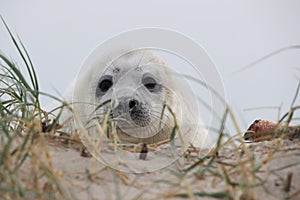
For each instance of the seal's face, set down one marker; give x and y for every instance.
(135, 85)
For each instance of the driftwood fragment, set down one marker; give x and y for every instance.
(261, 130)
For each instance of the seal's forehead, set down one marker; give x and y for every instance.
(133, 61)
(130, 68)
(121, 69)
(137, 60)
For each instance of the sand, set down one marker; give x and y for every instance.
(263, 170)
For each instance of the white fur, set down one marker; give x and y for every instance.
(82, 96)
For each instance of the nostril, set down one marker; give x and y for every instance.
(132, 103)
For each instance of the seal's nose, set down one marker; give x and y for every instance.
(123, 98)
(132, 103)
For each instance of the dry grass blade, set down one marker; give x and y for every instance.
(276, 52)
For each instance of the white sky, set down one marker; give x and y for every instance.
(60, 34)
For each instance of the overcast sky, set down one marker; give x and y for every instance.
(60, 34)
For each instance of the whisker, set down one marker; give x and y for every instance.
(139, 63)
(166, 117)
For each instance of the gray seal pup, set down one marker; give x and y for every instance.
(144, 98)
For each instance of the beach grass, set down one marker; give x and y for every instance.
(234, 169)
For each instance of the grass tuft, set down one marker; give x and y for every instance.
(234, 169)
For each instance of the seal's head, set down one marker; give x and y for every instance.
(145, 99)
(136, 83)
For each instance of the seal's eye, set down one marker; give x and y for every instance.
(150, 83)
(105, 83)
